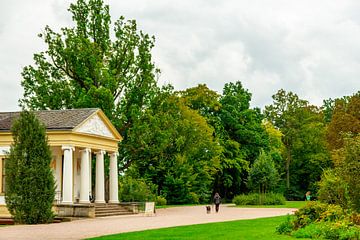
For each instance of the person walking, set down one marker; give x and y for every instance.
(217, 201)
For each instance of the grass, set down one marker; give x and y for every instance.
(288, 204)
(257, 229)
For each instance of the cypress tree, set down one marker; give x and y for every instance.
(30, 185)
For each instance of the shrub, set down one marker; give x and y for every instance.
(259, 199)
(135, 190)
(160, 201)
(329, 230)
(30, 185)
(309, 214)
(320, 220)
(285, 227)
(333, 189)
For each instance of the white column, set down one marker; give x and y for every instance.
(58, 157)
(84, 181)
(90, 173)
(113, 184)
(67, 190)
(100, 178)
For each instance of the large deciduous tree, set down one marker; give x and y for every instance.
(173, 147)
(303, 128)
(89, 65)
(345, 120)
(30, 187)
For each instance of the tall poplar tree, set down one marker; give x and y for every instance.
(30, 187)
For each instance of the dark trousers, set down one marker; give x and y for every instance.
(217, 207)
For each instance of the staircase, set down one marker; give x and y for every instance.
(104, 210)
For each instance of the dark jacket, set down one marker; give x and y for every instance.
(217, 199)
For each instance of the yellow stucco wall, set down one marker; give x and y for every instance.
(4, 211)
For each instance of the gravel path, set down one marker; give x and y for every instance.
(177, 216)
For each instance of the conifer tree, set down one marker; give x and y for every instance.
(30, 186)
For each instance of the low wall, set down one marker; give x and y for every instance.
(4, 211)
(75, 210)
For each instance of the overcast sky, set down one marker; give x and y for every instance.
(309, 47)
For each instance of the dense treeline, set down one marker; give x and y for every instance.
(185, 145)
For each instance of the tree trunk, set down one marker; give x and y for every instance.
(288, 160)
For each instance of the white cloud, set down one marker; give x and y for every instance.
(309, 47)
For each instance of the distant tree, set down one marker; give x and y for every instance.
(304, 137)
(276, 146)
(280, 113)
(242, 136)
(345, 120)
(263, 176)
(30, 187)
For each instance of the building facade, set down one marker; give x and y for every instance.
(75, 136)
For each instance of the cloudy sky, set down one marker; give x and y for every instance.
(309, 47)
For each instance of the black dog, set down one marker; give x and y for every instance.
(208, 209)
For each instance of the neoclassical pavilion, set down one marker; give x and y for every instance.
(75, 136)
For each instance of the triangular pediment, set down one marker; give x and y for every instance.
(95, 125)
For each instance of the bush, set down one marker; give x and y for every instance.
(259, 199)
(320, 220)
(160, 201)
(329, 230)
(30, 185)
(135, 190)
(333, 189)
(285, 227)
(309, 214)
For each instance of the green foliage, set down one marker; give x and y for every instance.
(329, 230)
(285, 227)
(349, 170)
(88, 65)
(173, 147)
(304, 138)
(30, 187)
(241, 136)
(263, 175)
(160, 201)
(319, 220)
(134, 190)
(333, 189)
(259, 199)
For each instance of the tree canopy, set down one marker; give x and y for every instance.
(89, 65)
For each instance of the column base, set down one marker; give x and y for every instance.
(114, 201)
(67, 202)
(100, 201)
(84, 201)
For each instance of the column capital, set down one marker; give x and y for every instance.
(114, 154)
(67, 147)
(87, 150)
(100, 152)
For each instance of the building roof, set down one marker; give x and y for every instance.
(52, 119)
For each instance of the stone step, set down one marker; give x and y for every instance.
(111, 210)
(103, 210)
(112, 214)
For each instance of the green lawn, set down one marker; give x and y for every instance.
(288, 204)
(258, 229)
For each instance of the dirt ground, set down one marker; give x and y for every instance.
(168, 217)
